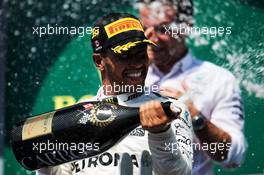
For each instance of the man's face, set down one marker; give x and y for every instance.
(154, 18)
(129, 68)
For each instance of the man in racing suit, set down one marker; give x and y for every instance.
(160, 146)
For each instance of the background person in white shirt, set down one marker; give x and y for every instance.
(211, 93)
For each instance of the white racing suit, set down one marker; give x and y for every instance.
(141, 152)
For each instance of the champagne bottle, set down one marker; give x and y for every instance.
(72, 133)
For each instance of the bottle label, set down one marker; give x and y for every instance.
(100, 115)
(37, 126)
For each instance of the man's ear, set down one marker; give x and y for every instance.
(98, 61)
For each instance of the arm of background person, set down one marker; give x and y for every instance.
(226, 124)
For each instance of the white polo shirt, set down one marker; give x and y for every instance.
(216, 94)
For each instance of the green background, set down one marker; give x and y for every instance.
(39, 69)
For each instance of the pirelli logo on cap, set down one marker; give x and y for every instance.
(122, 25)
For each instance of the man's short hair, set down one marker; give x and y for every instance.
(184, 8)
